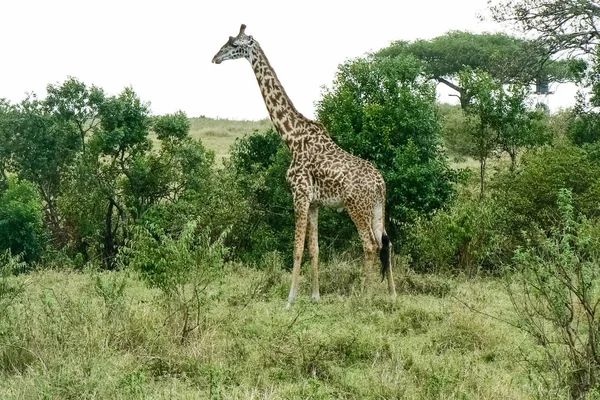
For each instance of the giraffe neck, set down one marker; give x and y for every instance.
(284, 115)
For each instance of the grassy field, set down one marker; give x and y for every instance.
(219, 134)
(104, 335)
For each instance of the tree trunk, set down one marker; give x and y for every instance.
(513, 160)
(108, 251)
(482, 162)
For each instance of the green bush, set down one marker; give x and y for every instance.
(466, 238)
(181, 267)
(530, 196)
(10, 289)
(555, 289)
(584, 128)
(21, 220)
(381, 110)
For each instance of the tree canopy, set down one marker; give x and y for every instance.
(381, 109)
(506, 58)
(558, 24)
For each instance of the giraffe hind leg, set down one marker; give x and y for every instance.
(313, 248)
(363, 222)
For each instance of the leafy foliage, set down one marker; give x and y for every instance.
(468, 238)
(181, 267)
(506, 58)
(379, 109)
(559, 295)
(570, 24)
(21, 220)
(530, 197)
(498, 119)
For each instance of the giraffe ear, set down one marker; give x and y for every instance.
(242, 29)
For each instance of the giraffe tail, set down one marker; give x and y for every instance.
(385, 255)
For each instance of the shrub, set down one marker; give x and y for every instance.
(21, 220)
(530, 196)
(181, 267)
(9, 288)
(556, 293)
(465, 238)
(584, 128)
(381, 110)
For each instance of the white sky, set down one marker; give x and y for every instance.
(163, 49)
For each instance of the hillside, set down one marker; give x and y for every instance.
(219, 134)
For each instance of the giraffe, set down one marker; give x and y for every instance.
(321, 174)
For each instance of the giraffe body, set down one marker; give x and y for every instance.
(321, 173)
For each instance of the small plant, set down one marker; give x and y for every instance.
(465, 238)
(112, 290)
(556, 293)
(10, 289)
(182, 268)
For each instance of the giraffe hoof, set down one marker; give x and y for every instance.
(316, 297)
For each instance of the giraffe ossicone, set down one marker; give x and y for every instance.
(321, 173)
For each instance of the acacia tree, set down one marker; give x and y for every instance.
(506, 58)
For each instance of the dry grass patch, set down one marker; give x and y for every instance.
(219, 134)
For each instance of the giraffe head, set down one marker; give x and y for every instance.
(241, 46)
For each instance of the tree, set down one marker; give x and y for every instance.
(484, 112)
(43, 138)
(569, 26)
(557, 24)
(498, 119)
(42, 152)
(506, 58)
(6, 110)
(380, 109)
(75, 107)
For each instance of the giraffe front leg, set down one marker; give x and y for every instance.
(313, 248)
(301, 213)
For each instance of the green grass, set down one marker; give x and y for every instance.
(219, 134)
(104, 335)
